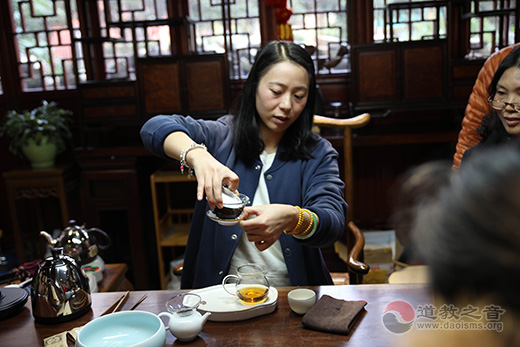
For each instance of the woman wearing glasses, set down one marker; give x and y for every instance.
(502, 124)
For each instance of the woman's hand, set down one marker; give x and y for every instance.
(269, 223)
(211, 176)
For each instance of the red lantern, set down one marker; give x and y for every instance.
(283, 14)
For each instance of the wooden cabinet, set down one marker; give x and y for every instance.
(115, 202)
(35, 196)
(173, 198)
(196, 85)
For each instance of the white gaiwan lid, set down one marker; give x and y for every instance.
(229, 198)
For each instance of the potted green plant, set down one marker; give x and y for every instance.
(38, 135)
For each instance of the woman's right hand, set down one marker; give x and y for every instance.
(210, 173)
(211, 176)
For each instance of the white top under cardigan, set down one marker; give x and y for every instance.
(246, 251)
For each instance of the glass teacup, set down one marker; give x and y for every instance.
(251, 285)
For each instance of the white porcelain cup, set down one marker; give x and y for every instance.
(301, 300)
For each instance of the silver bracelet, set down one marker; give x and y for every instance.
(183, 157)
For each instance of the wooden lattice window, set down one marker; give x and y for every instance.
(409, 20)
(323, 25)
(228, 26)
(234, 27)
(44, 43)
(63, 42)
(493, 25)
(130, 29)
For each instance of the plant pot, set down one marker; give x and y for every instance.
(42, 155)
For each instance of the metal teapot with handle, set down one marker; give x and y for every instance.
(79, 242)
(60, 289)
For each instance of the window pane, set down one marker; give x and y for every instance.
(492, 26)
(409, 20)
(492, 23)
(44, 44)
(134, 26)
(228, 26)
(234, 27)
(322, 24)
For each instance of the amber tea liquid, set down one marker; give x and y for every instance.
(251, 295)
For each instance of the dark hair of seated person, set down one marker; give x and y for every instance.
(410, 190)
(466, 227)
(469, 235)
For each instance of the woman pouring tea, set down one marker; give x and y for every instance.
(266, 151)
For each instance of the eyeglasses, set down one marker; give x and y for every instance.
(501, 105)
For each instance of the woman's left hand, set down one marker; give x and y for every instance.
(264, 224)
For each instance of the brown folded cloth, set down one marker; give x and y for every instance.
(333, 315)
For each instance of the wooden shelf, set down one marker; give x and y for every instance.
(162, 176)
(177, 235)
(172, 224)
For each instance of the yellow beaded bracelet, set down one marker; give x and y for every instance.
(309, 227)
(301, 217)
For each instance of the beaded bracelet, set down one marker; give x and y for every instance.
(312, 231)
(301, 217)
(183, 157)
(309, 227)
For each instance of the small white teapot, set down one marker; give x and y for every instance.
(185, 322)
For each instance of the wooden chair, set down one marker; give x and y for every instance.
(346, 125)
(354, 239)
(478, 105)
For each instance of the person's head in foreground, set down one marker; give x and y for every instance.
(469, 235)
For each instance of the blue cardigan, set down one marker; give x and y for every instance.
(313, 184)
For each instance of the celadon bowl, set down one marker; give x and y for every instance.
(126, 328)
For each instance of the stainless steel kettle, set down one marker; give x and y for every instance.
(60, 289)
(79, 242)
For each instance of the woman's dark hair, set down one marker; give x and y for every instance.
(511, 60)
(411, 189)
(470, 234)
(490, 122)
(298, 142)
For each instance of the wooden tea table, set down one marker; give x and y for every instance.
(280, 328)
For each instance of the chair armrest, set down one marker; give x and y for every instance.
(356, 252)
(177, 270)
(354, 122)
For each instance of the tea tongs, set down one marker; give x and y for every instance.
(115, 306)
